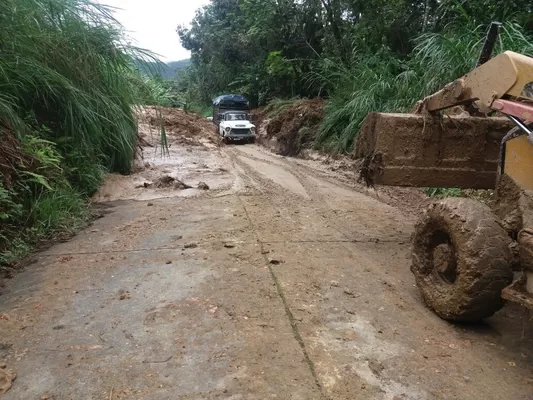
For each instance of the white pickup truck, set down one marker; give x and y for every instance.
(236, 126)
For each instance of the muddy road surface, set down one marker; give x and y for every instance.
(227, 272)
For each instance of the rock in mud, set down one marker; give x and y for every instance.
(376, 367)
(180, 185)
(168, 181)
(203, 186)
(7, 377)
(165, 181)
(124, 295)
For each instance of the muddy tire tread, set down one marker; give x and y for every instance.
(483, 259)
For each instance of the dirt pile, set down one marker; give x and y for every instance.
(181, 128)
(167, 181)
(189, 166)
(294, 128)
(175, 120)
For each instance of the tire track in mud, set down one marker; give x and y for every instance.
(392, 196)
(320, 207)
(291, 163)
(268, 187)
(317, 199)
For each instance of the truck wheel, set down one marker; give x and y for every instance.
(461, 259)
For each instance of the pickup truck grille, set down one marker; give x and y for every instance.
(240, 131)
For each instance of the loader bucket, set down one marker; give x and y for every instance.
(430, 151)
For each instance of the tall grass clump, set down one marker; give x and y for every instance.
(277, 106)
(66, 113)
(64, 65)
(383, 83)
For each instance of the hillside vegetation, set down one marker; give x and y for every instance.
(361, 55)
(66, 117)
(164, 71)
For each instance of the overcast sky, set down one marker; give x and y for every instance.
(152, 23)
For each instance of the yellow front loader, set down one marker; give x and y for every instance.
(466, 257)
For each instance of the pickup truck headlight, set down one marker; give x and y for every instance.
(228, 129)
(252, 129)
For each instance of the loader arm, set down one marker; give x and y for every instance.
(504, 79)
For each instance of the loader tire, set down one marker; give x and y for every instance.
(461, 259)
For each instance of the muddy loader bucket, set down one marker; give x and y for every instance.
(426, 151)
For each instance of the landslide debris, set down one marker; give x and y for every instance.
(293, 128)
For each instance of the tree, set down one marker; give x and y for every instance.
(271, 48)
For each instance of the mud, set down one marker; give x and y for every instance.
(193, 157)
(424, 151)
(514, 207)
(7, 377)
(287, 279)
(507, 207)
(294, 128)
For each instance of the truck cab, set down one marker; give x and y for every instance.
(231, 115)
(236, 126)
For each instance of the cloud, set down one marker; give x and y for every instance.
(152, 23)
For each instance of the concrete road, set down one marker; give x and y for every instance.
(282, 281)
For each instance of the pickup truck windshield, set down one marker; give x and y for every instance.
(236, 117)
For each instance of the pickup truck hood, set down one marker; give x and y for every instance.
(238, 124)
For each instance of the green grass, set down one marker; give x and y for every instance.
(205, 110)
(66, 68)
(277, 106)
(443, 192)
(61, 210)
(68, 91)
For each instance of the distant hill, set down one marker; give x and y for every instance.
(177, 65)
(166, 71)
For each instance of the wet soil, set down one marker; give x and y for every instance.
(293, 129)
(285, 279)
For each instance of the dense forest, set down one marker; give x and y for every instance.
(361, 55)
